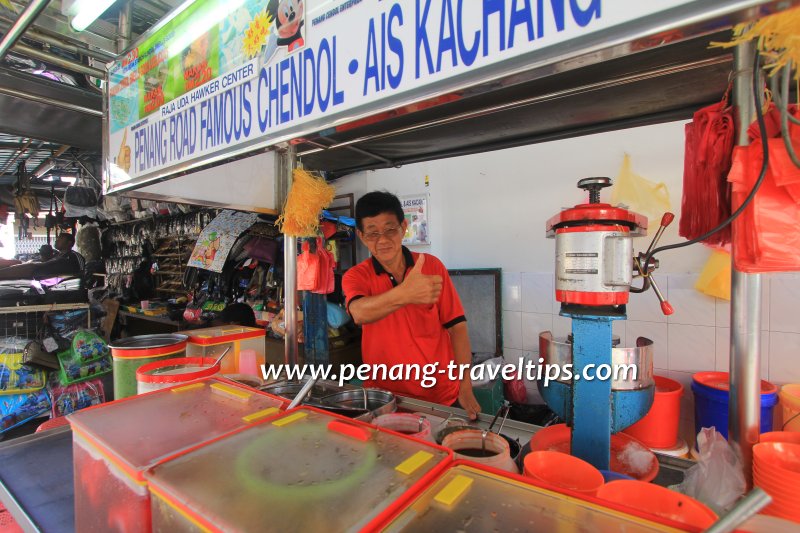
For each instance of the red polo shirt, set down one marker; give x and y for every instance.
(414, 334)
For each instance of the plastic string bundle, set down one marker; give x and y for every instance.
(307, 198)
(777, 38)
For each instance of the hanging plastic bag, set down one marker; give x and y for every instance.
(324, 268)
(717, 479)
(640, 194)
(715, 279)
(307, 269)
(707, 159)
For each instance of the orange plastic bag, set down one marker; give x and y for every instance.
(307, 269)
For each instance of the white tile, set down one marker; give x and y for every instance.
(784, 298)
(723, 307)
(724, 353)
(692, 348)
(562, 326)
(656, 332)
(645, 307)
(784, 358)
(618, 329)
(532, 325)
(692, 307)
(537, 292)
(512, 329)
(512, 291)
(512, 355)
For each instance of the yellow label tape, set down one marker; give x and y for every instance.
(260, 414)
(410, 465)
(453, 490)
(234, 393)
(185, 388)
(289, 419)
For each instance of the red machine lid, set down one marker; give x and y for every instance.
(598, 213)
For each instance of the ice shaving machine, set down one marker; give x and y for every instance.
(594, 271)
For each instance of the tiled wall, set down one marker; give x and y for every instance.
(695, 338)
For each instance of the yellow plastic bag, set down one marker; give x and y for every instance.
(715, 279)
(639, 194)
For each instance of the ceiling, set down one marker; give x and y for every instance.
(50, 104)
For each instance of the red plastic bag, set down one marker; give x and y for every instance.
(307, 269)
(325, 279)
(707, 159)
(765, 234)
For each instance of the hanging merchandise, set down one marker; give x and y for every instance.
(715, 279)
(638, 193)
(71, 398)
(80, 201)
(88, 357)
(765, 236)
(306, 199)
(308, 269)
(707, 160)
(19, 408)
(325, 279)
(216, 240)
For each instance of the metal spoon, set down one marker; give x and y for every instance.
(221, 356)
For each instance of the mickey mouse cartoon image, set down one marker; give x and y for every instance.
(288, 16)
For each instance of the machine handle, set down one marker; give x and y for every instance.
(667, 308)
(666, 220)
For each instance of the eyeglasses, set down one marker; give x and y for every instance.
(389, 233)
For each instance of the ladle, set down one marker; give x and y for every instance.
(221, 356)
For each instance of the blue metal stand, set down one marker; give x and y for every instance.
(591, 398)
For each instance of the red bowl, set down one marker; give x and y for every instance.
(659, 501)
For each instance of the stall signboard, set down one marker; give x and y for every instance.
(415, 212)
(219, 78)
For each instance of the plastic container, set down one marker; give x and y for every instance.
(114, 443)
(306, 470)
(790, 437)
(469, 497)
(659, 501)
(790, 406)
(172, 372)
(659, 427)
(711, 397)
(468, 445)
(211, 342)
(563, 470)
(628, 455)
(130, 353)
(776, 469)
(415, 426)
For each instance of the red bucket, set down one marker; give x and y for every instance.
(659, 427)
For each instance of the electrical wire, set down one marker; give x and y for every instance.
(763, 134)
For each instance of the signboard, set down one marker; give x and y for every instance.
(216, 240)
(221, 77)
(415, 211)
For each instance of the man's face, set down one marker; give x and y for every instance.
(63, 243)
(383, 236)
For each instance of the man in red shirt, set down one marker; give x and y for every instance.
(408, 308)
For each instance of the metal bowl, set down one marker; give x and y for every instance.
(290, 389)
(378, 402)
(140, 342)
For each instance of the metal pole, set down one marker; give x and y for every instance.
(44, 100)
(744, 413)
(286, 162)
(25, 19)
(124, 26)
(59, 61)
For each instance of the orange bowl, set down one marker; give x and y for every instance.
(783, 456)
(659, 501)
(791, 437)
(624, 450)
(563, 470)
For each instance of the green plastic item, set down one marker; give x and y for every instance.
(87, 358)
(490, 397)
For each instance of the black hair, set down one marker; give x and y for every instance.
(376, 203)
(240, 314)
(69, 236)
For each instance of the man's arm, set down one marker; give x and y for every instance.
(23, 271)
(417, 288)
(459, 338)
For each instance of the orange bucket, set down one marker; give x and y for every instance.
(792, 437)
(659, 501)
(563, 471)
(659, 427)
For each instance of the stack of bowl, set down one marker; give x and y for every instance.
(776, 469)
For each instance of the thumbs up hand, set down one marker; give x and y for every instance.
(421, 288)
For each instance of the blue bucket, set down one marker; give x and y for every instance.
(711, 397)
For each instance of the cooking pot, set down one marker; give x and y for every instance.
(353, 403)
